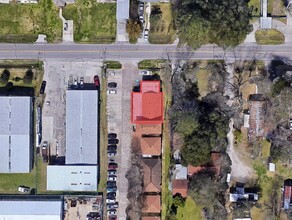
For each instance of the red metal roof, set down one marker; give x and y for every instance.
(147, 105)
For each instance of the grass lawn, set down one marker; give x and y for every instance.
(150, 64)
(93, 22)
(276, 7)
(21, 23)
(162, 31)
(256, 4)
(203, 81)
(41, 175)
(266, 147)
(269, 37)
(189, 212)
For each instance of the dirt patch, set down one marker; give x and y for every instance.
(278, 7)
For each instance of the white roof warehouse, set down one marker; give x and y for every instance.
(16, 134)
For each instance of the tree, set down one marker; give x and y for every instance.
(27, 79)
(134, 30)
(5, 76)
(223, 22)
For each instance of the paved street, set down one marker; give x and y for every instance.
(125, 51)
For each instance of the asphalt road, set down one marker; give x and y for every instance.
(126, 51)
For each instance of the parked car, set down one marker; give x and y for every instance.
(111, 153)
(110, 184)
(23, 189)
(141, 7)
(111, 189)
(113, 141)
(43, 87)
(111, 172)
(290, 124)
(141, 19)
(112, 178)
(112, 212)
(145, 72)
(112, 135)
(112, 148)
(113, 166)
(112, 217)
(110, 200)
(112, 85)
(96, 80)
(111, 91)
(111, 195)
(146, 34)
(81, 82)
(113, 205)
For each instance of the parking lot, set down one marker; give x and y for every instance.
(118, 113)
(57, 75)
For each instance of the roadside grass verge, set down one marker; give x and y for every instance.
(21, 23)
(189, 211)
(93, 22)
(162, 30)
(150, 64)
(269, 37)
(113, 64)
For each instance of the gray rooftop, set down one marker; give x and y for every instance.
(72, 178)
(15, 134)
(123, 8)
(81, 127)
(30, 210)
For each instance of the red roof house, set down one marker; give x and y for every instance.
(151, 146)
(147, 105)
(180, 187)
(211, 166)
(151, 204)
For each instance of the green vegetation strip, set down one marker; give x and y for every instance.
(269, 37)
(21, 23)
(113, 64)
(150, 64)
(93, 22)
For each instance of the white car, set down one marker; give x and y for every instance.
(145, 72)
(290, 124)
(110, 201)
(146, 34)
(111, 91)
(111, 178)
(111, 212)
(23, 189)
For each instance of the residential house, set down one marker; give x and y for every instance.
(240, 193)
(212, 166)
(287, 194)
(152, 204)
(257, 107)
(180, 181)
(150, 146)
(151, 175)
(149, 129)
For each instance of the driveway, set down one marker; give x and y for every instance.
(123, 9)
(118, 113)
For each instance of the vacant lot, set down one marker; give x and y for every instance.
(161, 26)
(93, 22)
(23, 22)
(269, 37)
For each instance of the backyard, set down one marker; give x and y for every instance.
(21, 23)
(161, 24)
(93, 22)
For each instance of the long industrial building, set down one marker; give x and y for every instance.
(82, 127)
(16, 134)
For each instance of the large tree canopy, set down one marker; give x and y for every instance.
(223, 22)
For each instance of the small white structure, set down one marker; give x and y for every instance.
(246, 120)
(27, 1)
(272, 167)
(180, 172)
(4, 1)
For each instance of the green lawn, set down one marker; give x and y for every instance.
(41, 175)
(23, 22)
(266, 147)
(203, 81)
(162, 32)
(269, 37)
(150, 64)
(93, 22)
(9, 183)
(256, 4)
(189, 212)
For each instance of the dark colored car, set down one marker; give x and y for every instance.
(111, 184)
(112, 166)
(112, 136)
(112, 85)
(111, 189)
(113, 141)
(113, 205)
(96, 80)
(112, 148)
(111, 195)
(111, 172)
(43, 87)
(112, 217)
